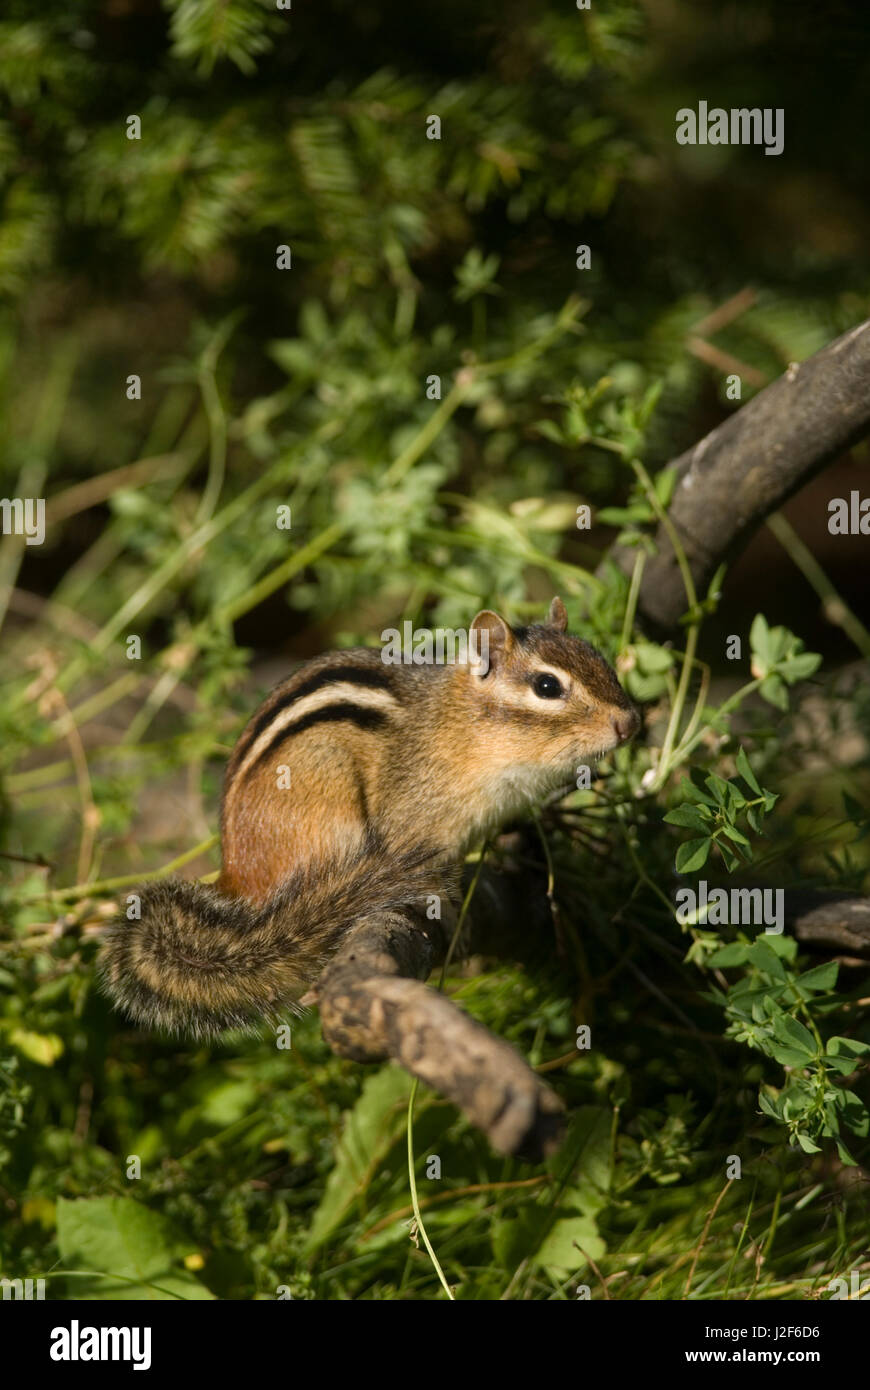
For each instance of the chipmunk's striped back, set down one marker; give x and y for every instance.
(360, 693)
(317, 742)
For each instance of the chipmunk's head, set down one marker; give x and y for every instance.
(550, 701)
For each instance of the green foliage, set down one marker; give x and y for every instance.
(14, 1097)
(558, 1231)
(132, 1251)
(307, 390)
(762, 1008)
(375, 1124)
(715, 806)
(237, 30)
(778, 660)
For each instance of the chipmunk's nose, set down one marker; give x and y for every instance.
(625, 724)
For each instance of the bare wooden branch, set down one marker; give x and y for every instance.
(748, 466)
(830, 922)
(373, 1005)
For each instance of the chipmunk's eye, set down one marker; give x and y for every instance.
(547, 686)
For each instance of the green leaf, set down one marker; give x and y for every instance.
(581, 1170)
(644, 688)
(581, 1166)
(690, 788)
(651, 658)
(718, 788)
(569, 1242)
(847, 1047)
(736, 835)
(807, 1144)
(843, 1066)
(821, 977)
(714, 588)
(759, 636)
(763, 957)
(532, 1235)
(735, 800)
(227, 1102)
(663, 485)
(799, 666)
(785, 1055)
(42, 1048)
(773, 689)
(370, 1131)
(854, 810)
(518, 1235)
(745, 770)
(788, 1030)
(550, 430)
(735, 953)
(854, 1111)
(117, 1236)
(690, 817)
(619, 516)
(770, 1104)
(783, 946)
(692, 855)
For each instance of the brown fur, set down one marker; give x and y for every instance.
(199, 962)
(394, 771)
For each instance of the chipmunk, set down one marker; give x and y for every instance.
(357, 787)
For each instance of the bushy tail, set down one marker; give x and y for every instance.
(197, 962)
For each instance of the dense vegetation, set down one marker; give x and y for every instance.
(261, 388)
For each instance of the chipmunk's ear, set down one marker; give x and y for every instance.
(558, 616)
(490, 642)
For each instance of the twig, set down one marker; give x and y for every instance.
(700, 1245)
(835, 608)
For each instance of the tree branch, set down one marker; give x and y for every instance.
(373, 1005)
(830, 922)
(747, 467)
